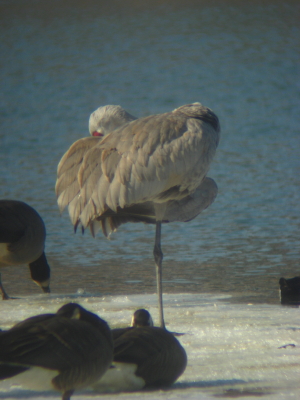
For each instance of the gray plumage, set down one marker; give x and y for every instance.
(22, 241)
(151, 169)
(74, 345)
(108, 118)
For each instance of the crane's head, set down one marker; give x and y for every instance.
(108, 118)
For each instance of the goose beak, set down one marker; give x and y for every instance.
(46, 289)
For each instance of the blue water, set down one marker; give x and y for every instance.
(61, 60)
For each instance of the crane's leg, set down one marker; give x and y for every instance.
(5, 296)
(158, 257)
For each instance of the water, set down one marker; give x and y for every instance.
(61, 60)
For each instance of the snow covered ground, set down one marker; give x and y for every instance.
(234, 350)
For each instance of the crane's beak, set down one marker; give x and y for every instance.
(46, 289)
(96, 133)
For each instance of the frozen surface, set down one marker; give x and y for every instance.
(233, 350)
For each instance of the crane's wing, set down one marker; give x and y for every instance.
(158, 158)
(183, 210)
(67, 187)
(189, 207)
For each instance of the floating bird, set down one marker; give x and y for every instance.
(22, 241)
(65, 351)
(150, 170)
(144, 356)
(290, 291)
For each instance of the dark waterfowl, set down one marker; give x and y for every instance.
(150, 170)
(289, 290)
(144, 357)
(141, 317)
(22, 241)
(65, 351)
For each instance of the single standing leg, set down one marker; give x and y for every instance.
(158, 257)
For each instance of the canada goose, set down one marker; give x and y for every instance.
(22, 241)
(141, 317)
(150, 170)
(289, 290)
(65, 351)
(144, 356)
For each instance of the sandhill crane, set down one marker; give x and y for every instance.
(151, 169)
(65, 351)
(144, 356)
(22, 241)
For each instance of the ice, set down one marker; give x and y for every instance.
(234, 350)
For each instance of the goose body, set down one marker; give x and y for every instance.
(150, 170)
(144, 357)
(22, 241)
(65, 351)
(289, 290)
